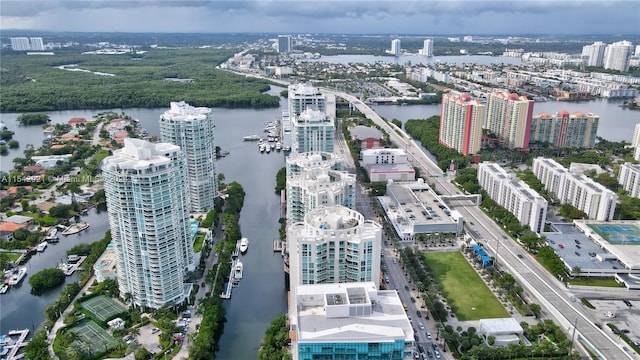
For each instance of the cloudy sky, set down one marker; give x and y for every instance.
(327, 16)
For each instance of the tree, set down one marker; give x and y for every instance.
(33, 119)
(46, 279)
(37, 348)
(142, 354)
(535, 309)
(13, 144)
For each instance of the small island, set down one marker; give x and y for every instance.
(631, 105)
(46, 279)
(33, 119)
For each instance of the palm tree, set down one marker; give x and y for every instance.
(128, 299)
(134, 332)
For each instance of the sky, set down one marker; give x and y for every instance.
(475, 17)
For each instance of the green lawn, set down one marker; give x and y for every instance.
(197, 244)
(604, 282)
(13, 256)
(465, 291)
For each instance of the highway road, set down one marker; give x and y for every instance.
(550, 293)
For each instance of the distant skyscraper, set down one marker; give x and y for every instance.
(192, 129)
(148, 203)
(20, 44)
(284, 43)
(617, 55)
(461, 123)
(565, 130)
(594, 53)
(395, 47)
(427, 48)
(334, 245)
(36, 44)
(509, 116)
(635, 142)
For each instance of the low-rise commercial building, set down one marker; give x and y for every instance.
(354, 320)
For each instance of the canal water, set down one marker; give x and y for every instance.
(261, 296)
(19, 309)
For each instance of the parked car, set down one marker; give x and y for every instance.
(418, 314)
(428, 335)
(627, 302)
(421, 326)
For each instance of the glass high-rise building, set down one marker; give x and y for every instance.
(312, 130)
(284, 43)
(148, 204)
(192, 129)
(334, 244)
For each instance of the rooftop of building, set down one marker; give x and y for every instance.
(139, 154)
(418, 202)
(333, 218)
(391, 168)
(606, 247)
(350, 312)
(364, 132)
(181, 111)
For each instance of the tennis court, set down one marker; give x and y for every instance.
(618, 234)
(103, 307)
(92, 337)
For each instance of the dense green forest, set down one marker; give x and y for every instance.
(34, 83)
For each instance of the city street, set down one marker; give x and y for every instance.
(548, 291)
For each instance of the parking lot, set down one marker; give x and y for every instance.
(617, 312)
(149, 340)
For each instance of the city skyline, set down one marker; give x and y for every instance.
(350, 17)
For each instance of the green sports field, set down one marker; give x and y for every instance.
(465, 291)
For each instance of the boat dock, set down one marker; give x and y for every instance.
(233, 282)
(277, 246)
(69, 268)
(15, 346)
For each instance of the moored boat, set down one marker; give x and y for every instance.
(4, 288)
(42, 246)
(237, 271)
(267, 148)
(251, 138)
(244, 245)
(17, 275)
(76, 228)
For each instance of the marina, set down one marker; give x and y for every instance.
(12, 342)
(73, 263)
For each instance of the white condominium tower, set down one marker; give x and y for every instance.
(461, 123)
(318, 187)
(578, 190)
(303, 97)
(148, 204)
(312, 130)
(192, 129)
(395, 47)
(20, 44)
(427, 48)
(509, 116)
(594, 53)
(514, 195)
(334, 245)
(629, 178)
(617, 55)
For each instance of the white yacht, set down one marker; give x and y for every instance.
(278, 146)
(17, 275)
(244, 245)
(42, 246)
(262, 147)
(251, 138)
(267, 148)
(53, 234)
(237, 271)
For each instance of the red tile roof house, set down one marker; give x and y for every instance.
(77, 122)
